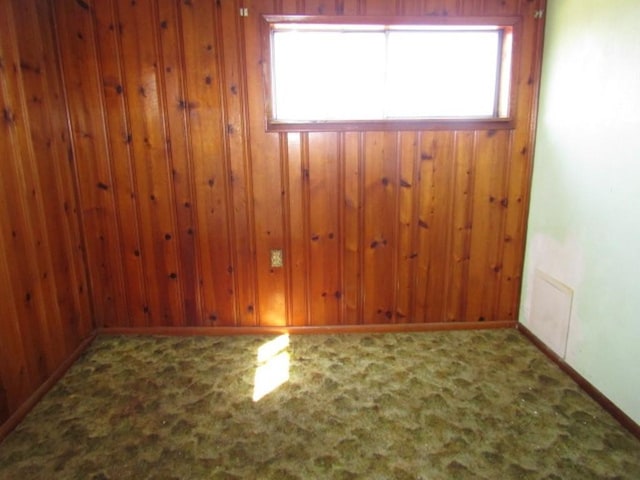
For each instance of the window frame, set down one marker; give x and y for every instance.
(510, 24)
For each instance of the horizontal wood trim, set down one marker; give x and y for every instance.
(12, 422)
(325, 329)
(456, 20)
(391, 125)
(624, 420)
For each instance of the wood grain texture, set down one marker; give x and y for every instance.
(141, 192)
(45, 312)
(184, 193)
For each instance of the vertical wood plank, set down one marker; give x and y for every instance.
(211, 170)
(410, 187)
(433, 225)
(234, 94)
(151, 171)
(353, 227)
(109, 53)
(297, 255)
(461, 220)
(380, 193)
(323, 178)
(489, 203)
(267, 188)
(90, 158)
(181, 160)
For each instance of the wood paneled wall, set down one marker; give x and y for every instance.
(139, 188)
(44, 297)
(184, 194)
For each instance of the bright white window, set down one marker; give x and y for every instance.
(321, 75)
(363, 72)
(442, 74)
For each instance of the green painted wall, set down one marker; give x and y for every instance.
(584, 223)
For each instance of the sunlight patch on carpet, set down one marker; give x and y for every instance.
(273, 366)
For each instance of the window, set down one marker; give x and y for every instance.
(363, 72)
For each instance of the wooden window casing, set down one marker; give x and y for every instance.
(506, 81)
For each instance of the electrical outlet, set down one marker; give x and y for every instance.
(276, 258)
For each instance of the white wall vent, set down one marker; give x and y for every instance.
(551, 311)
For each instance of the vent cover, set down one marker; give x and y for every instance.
(551, 312)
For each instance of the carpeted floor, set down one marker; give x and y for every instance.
(440, 405)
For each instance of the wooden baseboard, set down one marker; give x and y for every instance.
(22, 411)
(328, 329)
(624, 420)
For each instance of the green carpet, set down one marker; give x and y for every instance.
(440, 405)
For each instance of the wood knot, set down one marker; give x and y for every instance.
(378, 243)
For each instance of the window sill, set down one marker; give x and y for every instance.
(391, 125)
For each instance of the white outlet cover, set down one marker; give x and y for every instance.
(276, 258)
